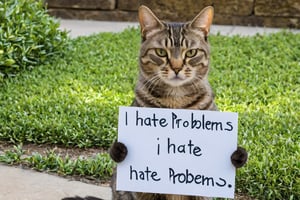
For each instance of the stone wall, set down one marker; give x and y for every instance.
(268, 13)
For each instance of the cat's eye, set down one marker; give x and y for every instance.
(191, 53)
(161, 52)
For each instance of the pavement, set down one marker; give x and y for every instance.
(85, 27)
(23, 184)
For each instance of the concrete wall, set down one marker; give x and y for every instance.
(268, 13)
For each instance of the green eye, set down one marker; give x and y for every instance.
(161, 52)
(191, 53)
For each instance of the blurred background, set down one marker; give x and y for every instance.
(264, 13)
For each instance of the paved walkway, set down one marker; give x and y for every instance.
(20, 184)
(80, 28)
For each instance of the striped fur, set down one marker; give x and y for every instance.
(174, 65)
(176, 80)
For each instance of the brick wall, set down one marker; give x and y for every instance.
(268, 13)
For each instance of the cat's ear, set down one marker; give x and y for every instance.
(204, 20)
(149, 22)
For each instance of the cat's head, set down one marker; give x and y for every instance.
(174, 53)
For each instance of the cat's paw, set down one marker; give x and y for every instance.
(118, 152)
(239, 157)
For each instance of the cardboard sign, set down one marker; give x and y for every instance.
(177, 151)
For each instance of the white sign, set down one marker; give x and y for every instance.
(176, 151)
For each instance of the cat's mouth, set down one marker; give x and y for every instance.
(177, 78)
(176, 81)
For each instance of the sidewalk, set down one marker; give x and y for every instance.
(20, 184)
(82, 28)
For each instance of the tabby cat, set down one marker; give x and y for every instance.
(174, 65)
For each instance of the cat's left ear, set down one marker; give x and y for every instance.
(203, 20)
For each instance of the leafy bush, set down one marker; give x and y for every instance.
(28, 36)
(74, 101)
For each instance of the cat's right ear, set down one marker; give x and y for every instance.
(149, 23)
(203, 20)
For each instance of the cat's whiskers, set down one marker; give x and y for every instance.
(151, 83)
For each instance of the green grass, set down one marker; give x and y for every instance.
(259, 77)
(74, 101)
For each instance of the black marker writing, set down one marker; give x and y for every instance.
(188, 148)
(158, 147)
(144, 175)
(150, 121)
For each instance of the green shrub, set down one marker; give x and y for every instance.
(28, 36)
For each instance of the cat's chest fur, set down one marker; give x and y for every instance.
(198, 97)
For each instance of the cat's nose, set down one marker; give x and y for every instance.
(177, 70)
(176, 65)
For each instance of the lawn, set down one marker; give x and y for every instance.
(72, 102)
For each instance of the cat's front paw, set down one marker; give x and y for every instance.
(118, 152)
(239, 157)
